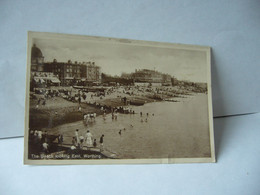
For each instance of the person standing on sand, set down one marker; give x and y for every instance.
(35, 137)
(77, 137)
(112, 116)
(40, 135)
(60, 139)
(45, 147)
(89, 139)
(101, 141)
(31, 135)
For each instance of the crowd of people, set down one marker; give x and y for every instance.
(42, 141)
(83, 140)
(79, 141)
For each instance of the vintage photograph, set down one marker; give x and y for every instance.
(97, 100)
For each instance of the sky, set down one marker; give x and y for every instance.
(114, 58)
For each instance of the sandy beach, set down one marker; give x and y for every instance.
(58, 110)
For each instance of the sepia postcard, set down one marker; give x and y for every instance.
(97, 100)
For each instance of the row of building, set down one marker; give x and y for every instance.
(62, 73)
(73, 73)
(146, 76)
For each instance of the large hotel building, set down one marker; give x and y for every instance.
(62, 73)
(146, 76)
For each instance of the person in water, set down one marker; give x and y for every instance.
(95, 143)
(89, 139)
(81, 139)
(77, 137)
(74, 141)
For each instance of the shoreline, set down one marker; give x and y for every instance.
(50, 117)
(59, 110)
